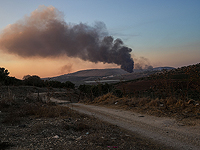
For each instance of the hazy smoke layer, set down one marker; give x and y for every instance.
(45, 34)
(66, 68)
(142, 63)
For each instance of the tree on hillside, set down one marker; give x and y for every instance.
(58, 84)
(12, 81)
(54, 84)
(26, 77)
(3, 75)
(6, 80)
(69, 85)
(33, 80)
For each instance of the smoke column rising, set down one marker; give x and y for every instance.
(45, 34)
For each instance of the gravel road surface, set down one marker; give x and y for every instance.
(166, 131)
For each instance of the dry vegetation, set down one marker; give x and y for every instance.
(28, 123)
(169, 107)
(174, 93)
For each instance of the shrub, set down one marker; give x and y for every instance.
(118, 93)
(155, 103)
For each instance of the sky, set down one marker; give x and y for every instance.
(159, 32)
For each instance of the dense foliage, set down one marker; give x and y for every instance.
(57, 84)
(93, 91)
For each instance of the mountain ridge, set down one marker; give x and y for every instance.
(80, 77)
(98, 72)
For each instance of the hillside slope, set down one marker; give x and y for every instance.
(114, 74)
(98, 72)
(80, 77)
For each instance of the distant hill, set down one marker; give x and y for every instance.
(104, 75)
(98, 72)
(163, 68)
(154, 69)
(80, 77)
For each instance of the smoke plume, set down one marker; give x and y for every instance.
(142, 63)
(45, 34)
(66, 68)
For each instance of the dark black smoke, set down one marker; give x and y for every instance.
(45, 34)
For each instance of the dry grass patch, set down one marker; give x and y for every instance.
(7, 101)
(170, 107)
(155, 103)
(108, 98)
(15, 112)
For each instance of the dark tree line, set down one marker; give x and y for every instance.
(37, 81)
(5, 79)
(33, 80)
(92, 91)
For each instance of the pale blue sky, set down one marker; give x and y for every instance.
(167, 32)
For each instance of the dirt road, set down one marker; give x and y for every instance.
(162, 130)
(165, 131)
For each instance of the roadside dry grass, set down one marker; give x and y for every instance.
(187, 111)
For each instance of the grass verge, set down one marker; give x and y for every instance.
(169, 107)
